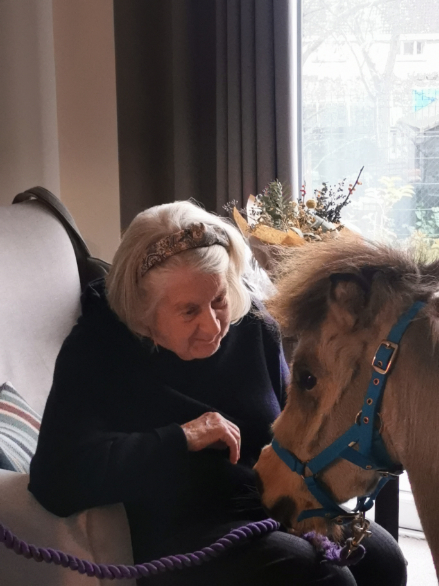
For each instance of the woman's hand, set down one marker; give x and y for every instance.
(213, 431)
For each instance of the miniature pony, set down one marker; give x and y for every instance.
(335, 303)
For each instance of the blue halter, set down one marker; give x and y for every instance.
(372, 453)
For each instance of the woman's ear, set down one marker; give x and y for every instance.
(347, 298)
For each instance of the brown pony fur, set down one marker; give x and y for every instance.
(336, 302)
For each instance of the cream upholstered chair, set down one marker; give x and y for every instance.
(39, 303)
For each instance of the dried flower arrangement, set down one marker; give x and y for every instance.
(273, 218)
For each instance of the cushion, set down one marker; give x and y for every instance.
(19, 428)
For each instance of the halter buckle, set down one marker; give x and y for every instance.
(388, 345)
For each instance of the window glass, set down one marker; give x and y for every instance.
(408, 47)
(370, 95)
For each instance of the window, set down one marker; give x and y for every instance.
(408, 47)
(373, 100)
(412, 47)
(370, 96)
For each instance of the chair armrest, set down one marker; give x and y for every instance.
(99, 535)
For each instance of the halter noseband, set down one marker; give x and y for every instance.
(371, 453)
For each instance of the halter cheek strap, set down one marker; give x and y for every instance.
(364, 435)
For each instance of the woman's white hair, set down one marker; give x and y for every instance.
(135, 300)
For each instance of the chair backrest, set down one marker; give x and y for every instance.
(39, 297)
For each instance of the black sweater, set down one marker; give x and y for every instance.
(111, 428)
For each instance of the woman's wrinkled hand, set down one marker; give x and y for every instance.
(212, 430)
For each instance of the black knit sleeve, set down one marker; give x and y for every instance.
(274, 353)
(84, 458)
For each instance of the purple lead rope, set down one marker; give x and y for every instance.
(328, 550)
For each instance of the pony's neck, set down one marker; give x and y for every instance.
(410, 414)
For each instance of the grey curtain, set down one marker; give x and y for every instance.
(204, 97)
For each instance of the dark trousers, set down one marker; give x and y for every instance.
(280, 559)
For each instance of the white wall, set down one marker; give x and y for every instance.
(87, 119)
(28, 117)
(58, 124)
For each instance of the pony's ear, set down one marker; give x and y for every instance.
(347, 298)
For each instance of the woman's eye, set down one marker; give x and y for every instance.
(219, 301)
(307, 380)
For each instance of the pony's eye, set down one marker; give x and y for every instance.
(307, 380)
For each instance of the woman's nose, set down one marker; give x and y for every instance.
(210, 325)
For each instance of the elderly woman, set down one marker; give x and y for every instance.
(162, 399)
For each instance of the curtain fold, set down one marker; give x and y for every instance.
(205, 100)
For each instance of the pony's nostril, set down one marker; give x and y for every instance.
(284, 510)
(259, 483)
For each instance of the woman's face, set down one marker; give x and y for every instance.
(193, 315)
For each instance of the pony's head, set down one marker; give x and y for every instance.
(335, 304)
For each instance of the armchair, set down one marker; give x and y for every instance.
(40, 291)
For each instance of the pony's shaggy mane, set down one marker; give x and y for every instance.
(306, 276)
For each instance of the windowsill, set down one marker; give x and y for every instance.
(420, 567)
(408, 515)
(411, 533)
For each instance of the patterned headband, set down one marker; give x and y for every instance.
(197, 236)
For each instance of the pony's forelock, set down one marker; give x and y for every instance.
(304, 280)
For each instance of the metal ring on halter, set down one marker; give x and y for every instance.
(360, 529)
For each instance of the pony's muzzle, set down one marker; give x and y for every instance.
(274, 495)
(283, 510)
